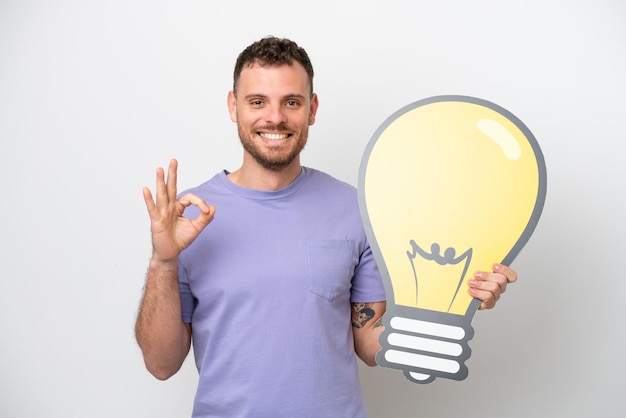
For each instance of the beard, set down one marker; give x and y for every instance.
(273, 158)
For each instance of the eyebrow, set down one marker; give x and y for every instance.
(263, 96)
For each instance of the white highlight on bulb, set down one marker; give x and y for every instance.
(501, 136)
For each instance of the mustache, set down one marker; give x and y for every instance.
(270, 127)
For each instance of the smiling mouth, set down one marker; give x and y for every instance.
(273, 137)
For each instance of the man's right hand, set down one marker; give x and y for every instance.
(171, 231)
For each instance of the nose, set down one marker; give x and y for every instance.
(275, 115)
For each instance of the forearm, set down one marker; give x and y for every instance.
(366, 328)
(369, 346)
(163, 337)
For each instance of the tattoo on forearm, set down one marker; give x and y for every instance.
(361, 313)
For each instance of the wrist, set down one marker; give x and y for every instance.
(158, 263)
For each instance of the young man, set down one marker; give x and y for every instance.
(265, 290)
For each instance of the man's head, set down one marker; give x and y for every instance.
(273, 103)
(272, 51)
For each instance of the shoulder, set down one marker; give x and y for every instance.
(321, 178)
(208, 186)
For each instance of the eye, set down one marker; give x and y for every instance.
(292, 103)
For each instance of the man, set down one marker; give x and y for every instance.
(268, 289)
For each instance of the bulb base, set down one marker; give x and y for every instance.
(425, 344)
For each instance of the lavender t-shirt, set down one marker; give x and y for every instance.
(267, 288)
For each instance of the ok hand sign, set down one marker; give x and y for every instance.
(171, 232)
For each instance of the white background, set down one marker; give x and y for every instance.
(94, 95)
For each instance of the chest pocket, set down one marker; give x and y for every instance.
(331, 267)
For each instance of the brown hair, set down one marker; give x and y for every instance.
(273, 51)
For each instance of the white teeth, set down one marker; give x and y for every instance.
(273, 136)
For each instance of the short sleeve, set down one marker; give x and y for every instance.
(367, 285)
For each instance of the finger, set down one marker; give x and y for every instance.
(510, 274)
(147, 197)
(161, 192)
(207, 212)
(488, 288)
(498, 278)
(493, 287)
(485, 305)
(171, 180)
(204, 218)
(191, 199)
(488, 299)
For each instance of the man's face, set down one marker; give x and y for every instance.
(273, 109)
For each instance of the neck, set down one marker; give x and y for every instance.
(253, 176)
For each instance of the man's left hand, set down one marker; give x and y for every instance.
(489, 286)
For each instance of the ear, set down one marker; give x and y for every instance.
(232, 106)
(313, 109)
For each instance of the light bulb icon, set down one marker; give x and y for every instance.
(448, 186)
